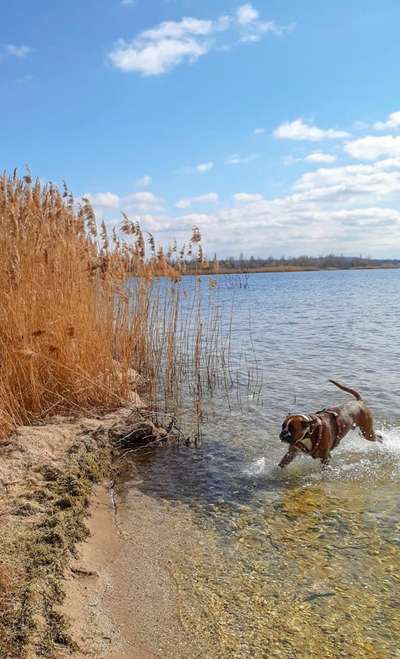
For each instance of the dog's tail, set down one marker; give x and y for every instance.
(349, 391)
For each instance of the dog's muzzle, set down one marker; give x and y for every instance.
(285, 436)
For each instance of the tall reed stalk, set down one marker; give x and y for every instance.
(80, 306)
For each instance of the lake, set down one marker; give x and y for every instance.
(309, 560)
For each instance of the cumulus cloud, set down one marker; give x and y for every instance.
(158, 58)
(160, 49)
(350, 208)
(340, 183)
(372, 147)
(247, 14)
(318, 156)
(391, 123)
(346, 209)
(143, 182)
(330, 209)
(292, 225)
(103, 199)
(204, 167)
(209, 198)
(17, 51)
(142, 201)
(301, 130)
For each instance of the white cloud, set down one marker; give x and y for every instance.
(372, 147)
(245, 198)
(247, 14)
(382, 179)
(301, 130)
(235, 159)
(253, 28)
(156, 58)
(142, 201)
(259, 131)
(333, 209)
(143, 182)
(162, 48)
(209, 198)
(103, 199)
(391, 123)
(17, 51)
(204, 167)
(180, 29)
(318, 156)
(349, 209)
(184, 203)
(295, 224)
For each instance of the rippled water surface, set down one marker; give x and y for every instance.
(310, 561)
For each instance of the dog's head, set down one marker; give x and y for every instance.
(294, 428)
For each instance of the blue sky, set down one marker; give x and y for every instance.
(273, 125)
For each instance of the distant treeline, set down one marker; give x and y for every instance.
(256, 264)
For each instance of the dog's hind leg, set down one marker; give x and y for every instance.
(366, 425)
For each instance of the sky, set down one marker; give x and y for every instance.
(273, 126)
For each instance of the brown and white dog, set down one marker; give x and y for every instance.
(318, 434)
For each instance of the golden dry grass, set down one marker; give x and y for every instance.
(68, 331)
(80, 306)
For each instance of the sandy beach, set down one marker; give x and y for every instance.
(123, 597)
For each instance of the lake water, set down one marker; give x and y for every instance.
(309, 559)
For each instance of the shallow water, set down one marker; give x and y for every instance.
(310, 562)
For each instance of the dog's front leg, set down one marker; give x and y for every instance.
(288, 457)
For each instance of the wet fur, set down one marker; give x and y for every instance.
(351, 414)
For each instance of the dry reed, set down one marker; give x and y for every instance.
(67, 340)
(80, 306)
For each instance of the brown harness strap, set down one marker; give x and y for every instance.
(340, 426)
(315, 441)
(315, 438)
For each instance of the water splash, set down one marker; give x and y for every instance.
(355, 459)
(256, 468)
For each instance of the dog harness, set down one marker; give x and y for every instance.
(314, 434)
(315, 438)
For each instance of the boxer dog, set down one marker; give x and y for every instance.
(318, 434)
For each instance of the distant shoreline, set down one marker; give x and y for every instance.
(277, 269)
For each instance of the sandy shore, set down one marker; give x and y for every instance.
(125, 588)
(86, 573)
(124, 598)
